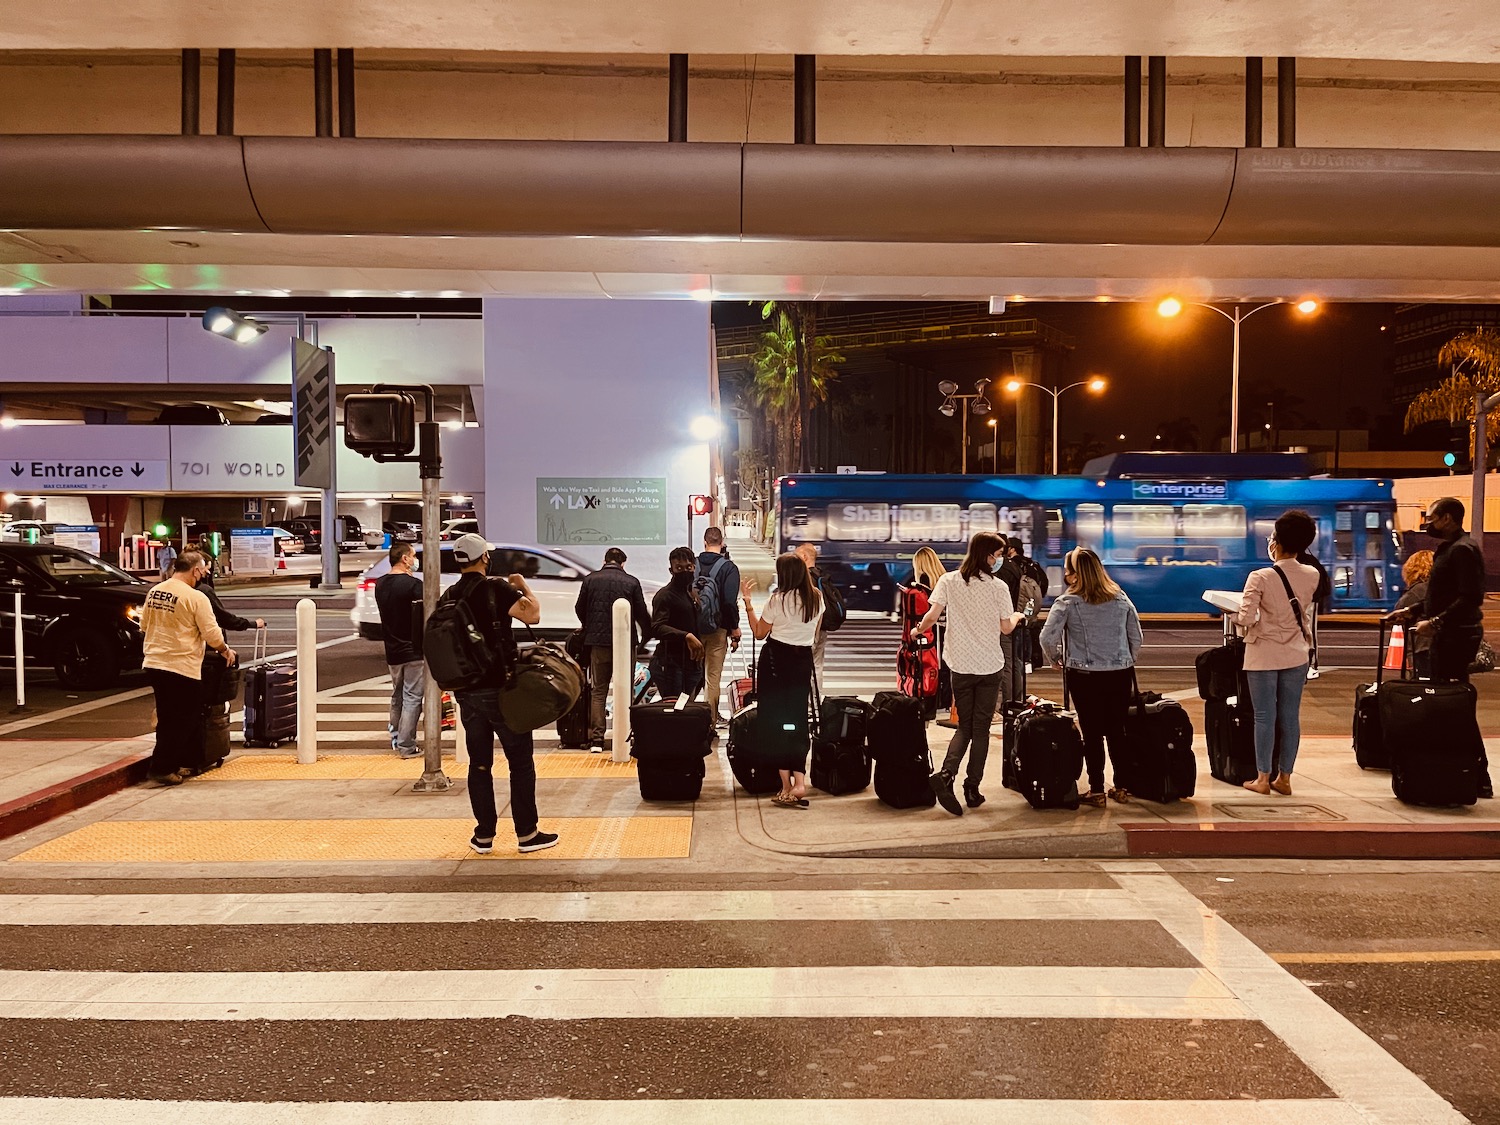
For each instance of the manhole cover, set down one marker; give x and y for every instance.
(1278, 810)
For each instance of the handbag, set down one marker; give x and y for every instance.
(542, 688)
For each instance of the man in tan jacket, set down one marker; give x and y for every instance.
(178, 621)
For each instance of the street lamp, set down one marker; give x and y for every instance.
(953, 402)
(994, 446)
(1170, 306)
(1095, 384)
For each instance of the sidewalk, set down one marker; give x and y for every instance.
(355, 805)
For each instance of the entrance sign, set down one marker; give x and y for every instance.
(83, 474)
(252, 550)
(312, 414)
(603, 510)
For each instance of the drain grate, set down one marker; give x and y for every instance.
(1277, 811)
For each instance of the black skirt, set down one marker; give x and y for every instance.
(784, 687)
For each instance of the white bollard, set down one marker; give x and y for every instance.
(20, 649)
(622, 678)
(307, 682)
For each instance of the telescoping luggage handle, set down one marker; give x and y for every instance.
(258, 649)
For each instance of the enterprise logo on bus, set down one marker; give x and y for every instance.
(1178, 490)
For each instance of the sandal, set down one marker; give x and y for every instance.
(1094, 800)
(788, 802)
(1119, 794)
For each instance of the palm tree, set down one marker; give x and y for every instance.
(793, 368)
(1180, 433)
(1475, 361)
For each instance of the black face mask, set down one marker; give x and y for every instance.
(681, 580)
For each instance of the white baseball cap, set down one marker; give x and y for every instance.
(469, 549)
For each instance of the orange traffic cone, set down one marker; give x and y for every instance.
(281, 563)
(1395, 652)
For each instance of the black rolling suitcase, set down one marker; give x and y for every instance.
(1159, 762)
(270, 700)
(669, 741)
(1045, 756)
(753, 774)
(573, 724)
(1371, 751)
(840, 750)
(1229, 731)
(1431, 730)
(898, 745)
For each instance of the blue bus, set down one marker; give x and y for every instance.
(1168, 526)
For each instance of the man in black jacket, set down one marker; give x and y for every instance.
(395, 592)
(595, 609)
(677, 663)
(1013, 674)
(495, 601)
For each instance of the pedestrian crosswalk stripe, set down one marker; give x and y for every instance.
(979, 992)
(1015, 904)
(819, 1111)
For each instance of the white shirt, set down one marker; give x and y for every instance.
(783, 613)
(971, 644)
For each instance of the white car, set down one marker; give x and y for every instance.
(286, 542)
(452, 529)
(553, 575)
(27, 531)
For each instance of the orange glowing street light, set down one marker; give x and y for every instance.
(1171, 306)
(1094, 383)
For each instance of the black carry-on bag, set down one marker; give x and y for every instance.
(898, 745)
(573, 725)
(221, 684)
(1431, 730)
(840, 749)
(1229, 719)
(1370, 749)
(270, 700)
(669, 741)
(747, 764)
(1159, 761)
(1045, 756)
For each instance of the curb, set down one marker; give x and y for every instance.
(1312, 841)
(46, 804)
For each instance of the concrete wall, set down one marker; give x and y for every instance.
(957, 100)
(593, 389)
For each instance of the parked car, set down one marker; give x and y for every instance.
(191, 414)
(552, 574)
(402, 532)
(286, 542)
(309, 531)
(79, 613)
(27, 531)
(453, 528)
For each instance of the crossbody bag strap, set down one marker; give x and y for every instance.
(1296, 605)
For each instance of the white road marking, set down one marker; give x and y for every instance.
(1020, 904)
(878, 992)
(812, 1111)
(1348, 1061)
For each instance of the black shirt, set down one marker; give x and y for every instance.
(674, 614)
(1010, 574)
(493, 598)
(394, 594)
(1455, 590)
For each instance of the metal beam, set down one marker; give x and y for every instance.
(346, 91)
(1286, 103)
(1255, 77)
(225, 117)
(192, 70)
(1156, 102)
(323, 92)
(805, 98)
(1132, 101)
(677, 97)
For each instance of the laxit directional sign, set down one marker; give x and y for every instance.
(609, 510)
(83, 474)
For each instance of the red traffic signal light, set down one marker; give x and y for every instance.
(700, 505)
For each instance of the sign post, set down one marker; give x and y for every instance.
(312, 424)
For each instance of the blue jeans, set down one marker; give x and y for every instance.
(408, 682)
(675, 675)
(480, 709)
(1276, 696)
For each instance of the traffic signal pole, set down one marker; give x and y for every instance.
(430, 469)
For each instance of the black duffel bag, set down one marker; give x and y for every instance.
(541, 688)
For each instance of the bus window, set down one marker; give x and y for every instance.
(1055, 532)
(859, 523)
(1343, 580)
(1134, 526)
(929, 523)
(1374, 542)
(1213, 521)
(984, 517)
(1088, 526)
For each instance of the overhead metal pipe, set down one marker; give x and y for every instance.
(1132, 101)
(192, 73)
(677, 94)
(323, 92)
(225, 122)
(1255, 76)
(1286, 103)
(805, 98)
(1156, 102)
(346, 91)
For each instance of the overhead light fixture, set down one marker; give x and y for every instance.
(231, 325)
(1096, 384)
(705, 427)
(997, 306)
(1169, 306)
(7, 422)
(947, 387)
(946, 410)
(981, 406)
(1307, 307)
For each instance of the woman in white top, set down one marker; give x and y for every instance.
(1274, 614)
(783, 686)
(979, 611)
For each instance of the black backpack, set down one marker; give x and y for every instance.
(458, 652)
(834, 611)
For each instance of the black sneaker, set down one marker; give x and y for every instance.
(942, 786)
(483, 847)
(537, 842)
(972, 796)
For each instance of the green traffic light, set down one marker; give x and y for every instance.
(161, 531)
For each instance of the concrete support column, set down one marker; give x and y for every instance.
(1027, 363)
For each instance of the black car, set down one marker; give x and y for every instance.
(79, 614)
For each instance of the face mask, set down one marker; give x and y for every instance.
(681, 580)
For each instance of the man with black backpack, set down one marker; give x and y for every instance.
(834, 613)
(470, 630)
(1030, 593)
(717, 586)
(677, 663)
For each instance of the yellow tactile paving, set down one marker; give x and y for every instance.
(259, 841)
(388, 767)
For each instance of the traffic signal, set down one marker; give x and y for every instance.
(701, 505)
(161, 531)
(1450, 459)
(381, 424)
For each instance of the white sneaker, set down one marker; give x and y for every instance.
(1313, 673)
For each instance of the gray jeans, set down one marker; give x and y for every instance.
(408, 682)
(975, 698)
(601, 671)
(1013, 675)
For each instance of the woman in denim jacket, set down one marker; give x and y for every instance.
(1095, 628)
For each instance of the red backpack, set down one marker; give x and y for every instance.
(917, 659)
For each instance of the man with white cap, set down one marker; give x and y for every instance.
(493, 602)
